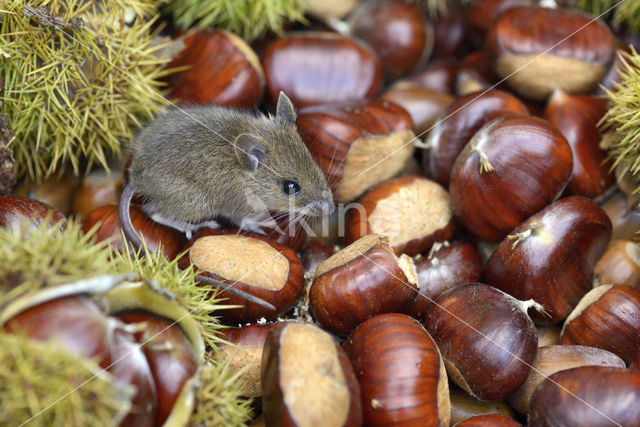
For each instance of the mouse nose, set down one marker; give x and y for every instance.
(321, 207)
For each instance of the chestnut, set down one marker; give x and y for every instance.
(440, 75)
(414, 212)
(18, 211)
(475, 73)
(273, 273)
(402, 377)
(220, 69)
(539, 49)
(625, 219)
(548, 335)
(245, 351)
(155, 235)
(76, 324)
(424, 105)
(620, 264)
(550, 257)
(396, 30)
(458, 124)
(511, 168)
(481, 14)
(607, 317)
(170, 356)
(487, 340)
(99, 188)
(587, 396)
(321, 67)
(315, 252)
(307, 379)
(362, 280)
(554, 358)
(357, 144)
(55, 191)
(449, 33)
(489, 420)
(577, 117)
(464, 406)
(448, 265)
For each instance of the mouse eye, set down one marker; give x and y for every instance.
(290, 188)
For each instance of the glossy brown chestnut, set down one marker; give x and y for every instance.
(607, 317)
(489, 420)
(448, 265)
(221, 69)
(487, 340)
(18, 211)
(360, 281)
(423, 105)
(245, 354)
(97, 189)
(550, 257)
(395, 29)
(251, 263)
(481, 13)
(587, 396)
(577, 117)
(619, 265)
(307, 379)
(458, 124)
(77, 325)
(554, 358)
(357, 144)
(464, 406)
(449, 33)
(154, 234)
(290, 231)
(401, 374)
(413, 212)
(169, 354)
(440, 75)
(539, 49)
(510, 169)
(315, 252)
(318, 67)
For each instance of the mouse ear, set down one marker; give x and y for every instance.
(285, 110)
(250, 151)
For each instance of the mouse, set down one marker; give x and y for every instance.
(193, 164)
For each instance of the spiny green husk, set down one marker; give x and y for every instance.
(199, 300)
(217, 399)
(78, 79)
(623, 118)
(249, 19)
(47, 257)
(46, 386)
(621, 13)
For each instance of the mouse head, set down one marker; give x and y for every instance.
(279, 169)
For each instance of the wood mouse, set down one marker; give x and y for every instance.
(192, 164)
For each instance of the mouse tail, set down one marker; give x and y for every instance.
(125, 217)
